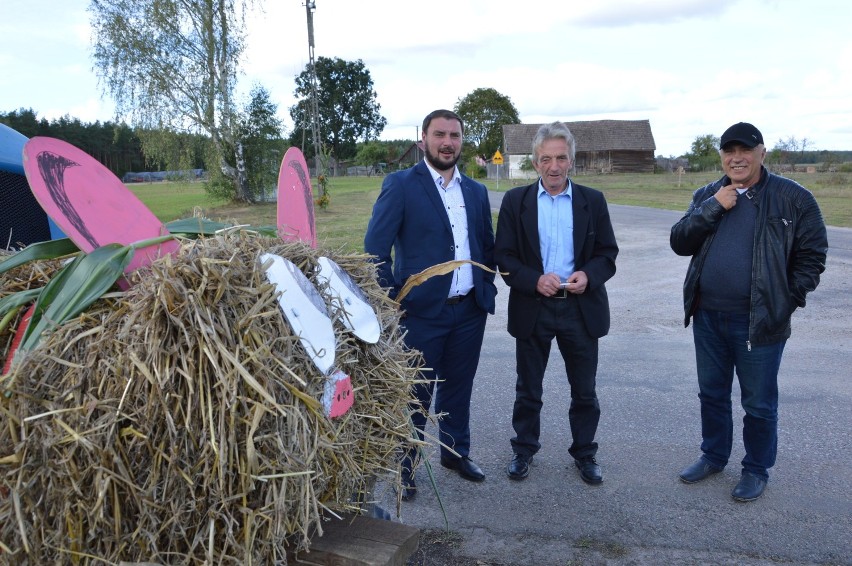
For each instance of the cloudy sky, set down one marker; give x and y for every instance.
(691, 67)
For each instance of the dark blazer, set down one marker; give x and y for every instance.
(518, 255)
(409, 217)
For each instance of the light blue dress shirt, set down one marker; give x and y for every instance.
(556, 231)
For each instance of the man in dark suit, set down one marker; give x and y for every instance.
(555, 248)
(431, 214)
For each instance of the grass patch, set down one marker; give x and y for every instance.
(171, 200)
(342, 224)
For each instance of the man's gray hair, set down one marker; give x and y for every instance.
(555, 130)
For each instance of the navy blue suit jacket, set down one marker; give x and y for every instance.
(409, 218)
(518, 253)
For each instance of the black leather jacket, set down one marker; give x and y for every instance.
(790, 246)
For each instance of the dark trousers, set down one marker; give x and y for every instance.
(450, 344)
(560, 319)
(722, 349)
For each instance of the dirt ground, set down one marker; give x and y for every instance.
(438, 548)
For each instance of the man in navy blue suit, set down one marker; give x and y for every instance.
(430, 214)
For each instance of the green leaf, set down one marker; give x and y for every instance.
(196, 226)
(270, 231)
(50, 249)
(10, 304)
(76, 287)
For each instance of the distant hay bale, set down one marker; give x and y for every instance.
(181, 423)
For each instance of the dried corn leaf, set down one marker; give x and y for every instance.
(439, 269)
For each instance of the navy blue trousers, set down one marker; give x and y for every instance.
(450, 344)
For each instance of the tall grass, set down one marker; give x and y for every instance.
(342, 224)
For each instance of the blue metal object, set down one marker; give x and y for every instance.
(22, 220)
(11, 150)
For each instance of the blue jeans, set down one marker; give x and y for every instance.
(721, 348)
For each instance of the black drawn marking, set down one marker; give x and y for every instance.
(52, 168)
(296, 166)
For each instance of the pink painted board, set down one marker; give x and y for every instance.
(89, 203)
(337, 397)
(295, 200)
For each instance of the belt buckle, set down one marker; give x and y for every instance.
(456, 299)
(560, 294)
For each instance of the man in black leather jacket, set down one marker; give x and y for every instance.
(758, 245)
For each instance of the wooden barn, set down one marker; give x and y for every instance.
(603, 146)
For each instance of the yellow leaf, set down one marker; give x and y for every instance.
(439, 269)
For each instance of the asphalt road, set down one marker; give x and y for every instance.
(650, 430)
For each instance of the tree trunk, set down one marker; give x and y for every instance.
(243, 193)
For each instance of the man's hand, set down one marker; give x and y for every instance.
(727, 196)
(577, 282)
(548, 284)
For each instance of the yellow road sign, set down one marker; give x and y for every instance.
(498, 158)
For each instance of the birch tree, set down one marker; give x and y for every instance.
(171, 65)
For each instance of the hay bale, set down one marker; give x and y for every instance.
(180, 422)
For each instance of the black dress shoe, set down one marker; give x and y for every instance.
(589, 470)
(465, 467)
(698, 471)
(751, 487)
(519, 467)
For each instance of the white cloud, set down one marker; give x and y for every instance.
(689, 66)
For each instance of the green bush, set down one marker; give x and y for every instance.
(220, 187)
(475, 171)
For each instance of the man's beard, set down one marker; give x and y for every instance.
(434, 161)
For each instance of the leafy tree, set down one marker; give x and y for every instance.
(114, 145)
(485, 111)
(263, 144)
(704, 153)
(172, 65)
(348, 110)
(789, 151)
(170, 150)
(25, 121)
(382, 151)
(828, 159)
(371, 154)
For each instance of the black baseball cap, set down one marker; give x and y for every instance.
(744, 133)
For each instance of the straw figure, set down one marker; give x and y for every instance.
(180, 422)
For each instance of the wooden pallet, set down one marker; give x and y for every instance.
(357, 540)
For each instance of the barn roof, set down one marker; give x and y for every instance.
(592, 135)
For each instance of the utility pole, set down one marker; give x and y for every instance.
(310, 7)
(416, 144)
